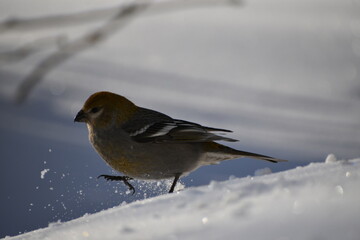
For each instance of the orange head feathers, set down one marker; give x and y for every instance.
(103, 109)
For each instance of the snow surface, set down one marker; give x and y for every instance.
(319, 201)
(283, 75)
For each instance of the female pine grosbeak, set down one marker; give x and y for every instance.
(146, 144)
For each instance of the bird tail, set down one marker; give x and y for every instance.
(219, 152)
(259, 156)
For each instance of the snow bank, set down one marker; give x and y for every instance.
(319, 201)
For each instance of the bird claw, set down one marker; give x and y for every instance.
(120, 178)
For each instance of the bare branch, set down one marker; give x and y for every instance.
(72, 19)
(30, 48)
(85, 17)
(27, 24)
(75, 47)
(124, 13)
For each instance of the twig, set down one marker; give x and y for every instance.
(30, 48)
(77, 18)
(124, 13)
(85, 17)
(75, 47)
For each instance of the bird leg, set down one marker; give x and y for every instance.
(120, 178)
(177, 176)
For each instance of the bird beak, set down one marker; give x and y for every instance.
(80, 116)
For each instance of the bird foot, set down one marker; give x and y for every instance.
(177, 176)
(120, 178)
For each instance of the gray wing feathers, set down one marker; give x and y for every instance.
(152, 126)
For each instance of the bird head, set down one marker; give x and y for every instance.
(105, 109)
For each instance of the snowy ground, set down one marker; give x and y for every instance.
(283, 75)
(319, 201)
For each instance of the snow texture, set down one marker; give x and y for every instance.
(319, 201)
(282, 75)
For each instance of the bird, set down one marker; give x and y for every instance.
(146, 144)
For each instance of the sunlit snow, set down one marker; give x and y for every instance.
(282, 75)
(319, 201)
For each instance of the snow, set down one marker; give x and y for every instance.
(330, 158)
(318, 201)
(282, 75)
(43, 172)
(262, 171)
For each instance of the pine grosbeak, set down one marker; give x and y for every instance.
(145, 144)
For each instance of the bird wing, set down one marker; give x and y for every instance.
(167, 130)
(176, 131)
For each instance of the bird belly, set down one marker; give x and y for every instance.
(147, 160)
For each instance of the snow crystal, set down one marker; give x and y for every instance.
(54, 224)
(43, 172)
(339, 189)
(232, 177)
(213, 185)
(262, 171)
(63, 205)
(330, 158)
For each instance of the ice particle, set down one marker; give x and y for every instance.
(330, 158)
(263, 171)
(339, 190)
(43, 172)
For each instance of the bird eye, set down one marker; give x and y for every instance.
(95, 110)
